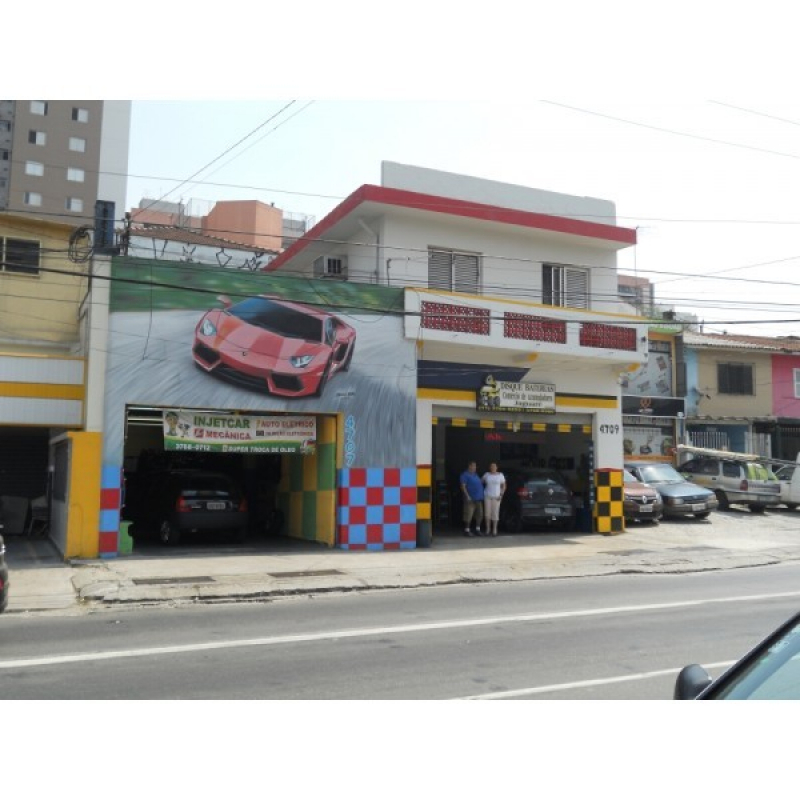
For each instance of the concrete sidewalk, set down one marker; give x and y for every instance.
(41, 582)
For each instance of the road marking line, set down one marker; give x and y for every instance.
(561, 687)
(268, 641)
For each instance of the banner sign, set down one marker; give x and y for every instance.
(201, 432)
(653, 406)
(509, 396)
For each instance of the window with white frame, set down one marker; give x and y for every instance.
(39, 107)
(32, 199)
(565, 286)
(77, 145)
(74, 204)
(20, 255)
(80, 115)
(796, 373)
(75, 174)
(37, 137)
(34, 168)
(452, 271)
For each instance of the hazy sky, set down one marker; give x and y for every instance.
(710, 185)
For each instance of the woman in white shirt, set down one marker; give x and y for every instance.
(495, 483)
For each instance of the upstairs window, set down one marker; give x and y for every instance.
(77, 145)
(74, 204)
(796, 373)
(34, 168)
(20, 256)
(735, 379)
(75, 174)
(39, 107)
(32, 199)
(5, 126)
(37, 137)
(454, 272)
(565, 286)
(80, 115)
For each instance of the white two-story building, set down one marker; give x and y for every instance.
(510, 299)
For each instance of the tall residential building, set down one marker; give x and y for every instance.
(57, 157)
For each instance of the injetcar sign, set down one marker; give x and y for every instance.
(236, 433)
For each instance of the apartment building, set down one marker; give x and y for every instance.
(57, 157)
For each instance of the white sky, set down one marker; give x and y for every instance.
(686, 117)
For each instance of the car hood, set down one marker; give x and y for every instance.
(681, 490)
(235, 333)
(639, 489)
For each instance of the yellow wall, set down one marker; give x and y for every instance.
(734, 405)
(84, 495)
(44, 307)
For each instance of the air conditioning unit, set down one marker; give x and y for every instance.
(331, 267)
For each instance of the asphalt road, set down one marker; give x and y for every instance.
(620, 637)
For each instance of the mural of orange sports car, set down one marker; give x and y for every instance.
(263, 342)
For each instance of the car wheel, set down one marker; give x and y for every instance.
(702, 515)
(168, 534)
(324, 379)
(757, 508)
(722, 498)
(791, 506)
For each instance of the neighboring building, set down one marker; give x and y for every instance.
(259, 226)
(638, 292)
(58, 157)
(165, 243)
(743, 393)
(45, 413)
(653, 402)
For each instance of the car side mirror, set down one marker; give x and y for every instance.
(691, 681)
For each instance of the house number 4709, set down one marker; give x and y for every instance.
(609, 429)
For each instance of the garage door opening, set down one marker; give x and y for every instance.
(517, 448)
(221, 497)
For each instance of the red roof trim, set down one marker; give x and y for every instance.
(460, 208)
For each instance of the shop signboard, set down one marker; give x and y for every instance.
(203, 432)
(494, 395)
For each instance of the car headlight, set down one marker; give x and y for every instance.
(300, 361)
(208, 328)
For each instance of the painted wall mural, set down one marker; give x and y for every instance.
(199, 337)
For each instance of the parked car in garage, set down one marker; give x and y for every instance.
(681, 497)
(641, 502)
(770, 671)
(287, 349)
(178, 502)
(536, 497)
(734, 481)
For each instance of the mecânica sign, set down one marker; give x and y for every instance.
(203, 432)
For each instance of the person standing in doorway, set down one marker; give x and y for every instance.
(472, 489)
(495, 487)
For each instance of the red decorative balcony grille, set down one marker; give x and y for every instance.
(612, 337)
(540, 329)
(460, 319)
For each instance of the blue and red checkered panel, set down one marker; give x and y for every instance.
(377, 508)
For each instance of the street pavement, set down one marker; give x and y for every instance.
(42, 582)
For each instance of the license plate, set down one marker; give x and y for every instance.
(646, 507)
(553, 510)
(215, 506)
(698, 506)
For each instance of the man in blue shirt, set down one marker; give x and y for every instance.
(472, 489)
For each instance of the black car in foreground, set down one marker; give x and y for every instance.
(177, 502)
(770, 671)
(536, 497)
